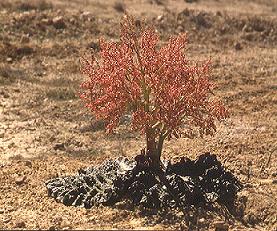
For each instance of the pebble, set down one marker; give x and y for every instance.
(218, 13)
(246, 28)
(52, 227)
(66, 225)
(58, 22)
(20, 180)
(85, 15)
(238, 46)
(7, 220)
(221, 226)
(28, 163)
(9, 60)
(20, 224)
(10, 208)
(201, 220)
(46, 21)
(11, 145)
(25, 39)
(160, 18)
(59, 146)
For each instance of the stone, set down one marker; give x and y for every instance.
(25, 39)
(221, 226)
(238, 46)
(28, 163)
(9, 59)
(246, 28)
(10, 208)
(85, 15)
(58, 22)
(59, 146)
(191, 1)
(201, 220)
(160, 18)
(7, 220)
(46, 21)
(218, 13)
(52, 228)
(66, 225)
(20, 224)
(20, 180)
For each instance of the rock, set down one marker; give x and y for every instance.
(247, 28)
(6, 95)
(160, 18)
(59, 146)
(25, 39)
(20, 224)
(191, 1)
(218, 13)
(20, 180)
(238, 46)
(28, 163)
(2, 211)
(11, 145)
(66, 225)
(221, 226)
(251, 218)
(7, 220)
(46, 21)
(72, 20)
(201, 20)
(58, 22)
(10, 208)
(201, 220)
(9, 59)
(24, 51)
(85, 15)
(119, 7)
(2, 135)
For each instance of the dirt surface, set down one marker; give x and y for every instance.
(44, 132)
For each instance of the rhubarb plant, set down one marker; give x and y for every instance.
(167, 95)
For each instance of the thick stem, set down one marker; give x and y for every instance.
(153, 146)
(160, 146)
(150, 142)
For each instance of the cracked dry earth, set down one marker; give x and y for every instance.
(45, 133)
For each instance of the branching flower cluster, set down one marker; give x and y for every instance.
(166, 95)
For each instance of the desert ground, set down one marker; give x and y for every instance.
(46, 132)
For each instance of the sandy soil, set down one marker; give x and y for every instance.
(44, 132)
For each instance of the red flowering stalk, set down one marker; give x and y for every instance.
(166, 95)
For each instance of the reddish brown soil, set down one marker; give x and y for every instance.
(44, 132)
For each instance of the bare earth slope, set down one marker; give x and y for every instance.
(44, 132)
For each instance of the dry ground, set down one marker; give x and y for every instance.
(44, 132)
